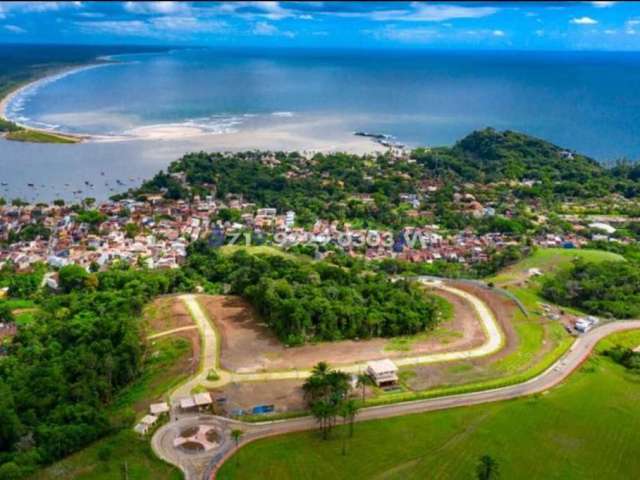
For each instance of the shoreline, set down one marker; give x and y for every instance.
(47, 77)
(266, 136)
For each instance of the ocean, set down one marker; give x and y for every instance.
(145, 110)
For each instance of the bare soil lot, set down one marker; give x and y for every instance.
(166, 313)
(285, 395)
(249, 346)
(423, 377)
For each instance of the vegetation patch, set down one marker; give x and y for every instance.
(36, 136)
(317, 301)
(606, 288)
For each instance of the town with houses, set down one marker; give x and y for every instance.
(156, 233)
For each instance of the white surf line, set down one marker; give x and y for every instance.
(495, 341)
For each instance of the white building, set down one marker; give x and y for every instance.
(383, 372)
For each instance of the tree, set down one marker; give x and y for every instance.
(72, 277)
(9, 421)
(324, 413)
(487, 468)
(6, 314)
(131, 230)
(236, 435)
(326, 391)
(363, 381)
(348, 411)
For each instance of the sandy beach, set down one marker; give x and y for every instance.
(54, 76)
(287, 132)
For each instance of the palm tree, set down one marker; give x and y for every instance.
(487, 468)
(363, 381)
(236, 435)
(323, 413)
(321, 370)
(348, 410)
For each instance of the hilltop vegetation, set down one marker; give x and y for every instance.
(483, 156)
(489, 156)
(605, 288)
(303, 301)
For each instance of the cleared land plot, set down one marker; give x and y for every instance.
(166, 313)
(422, 377)
(285, 395)
(249, 346)
(170, 361)
(588, 428)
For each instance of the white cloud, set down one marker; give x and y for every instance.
(432, 13)
(38, 7)
(305, 17)
(630, 26)
(498, 33)
(272, 10)
(14, 29)
(407, 35)
(163, 8)
(268, 30)
(583, 21)
(264, 28)
(166, 26)
(186, 24)
(603, 4)
(117, 27)
(539, 33)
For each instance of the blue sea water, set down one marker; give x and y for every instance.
(586, 101)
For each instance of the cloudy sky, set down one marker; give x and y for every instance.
(439, 25)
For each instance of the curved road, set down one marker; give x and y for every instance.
(560, 370)
(210, 356)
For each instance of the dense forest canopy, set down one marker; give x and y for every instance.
(291, 181)
(63, 369)
(304, 301)
(607, 288)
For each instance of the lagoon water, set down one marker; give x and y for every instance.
(146, 110)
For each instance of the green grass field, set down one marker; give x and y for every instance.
(549, 260)
(261, 250)
(588, 428)
(109, 459)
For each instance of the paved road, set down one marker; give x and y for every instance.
(559, 371)
(209, 352)
(494, 342)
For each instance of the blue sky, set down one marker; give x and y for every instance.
(438, 25)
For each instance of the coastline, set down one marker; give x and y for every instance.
(297, 135)
(49, 76)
